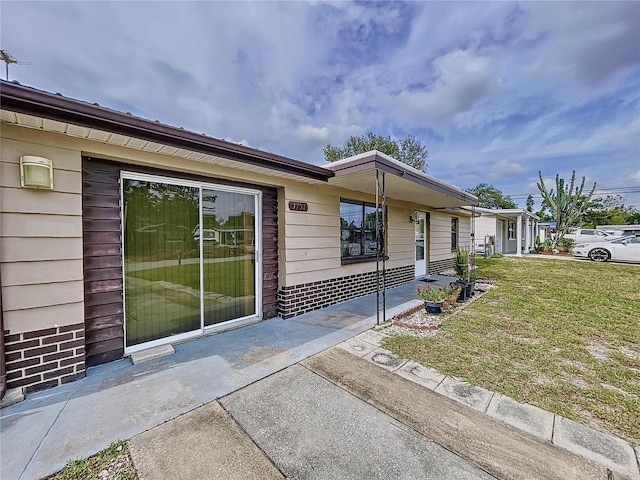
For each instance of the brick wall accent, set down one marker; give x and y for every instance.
(440, 266)
(297, 299)
(45, 358)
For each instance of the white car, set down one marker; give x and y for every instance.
(626, 249)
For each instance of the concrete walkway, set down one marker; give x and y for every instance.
(119, 400)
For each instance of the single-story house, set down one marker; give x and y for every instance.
(506, 230)
(119, 233)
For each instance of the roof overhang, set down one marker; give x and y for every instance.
(402, 182)
(26, 106)
(511, 213)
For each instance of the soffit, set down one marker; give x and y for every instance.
(77, 131)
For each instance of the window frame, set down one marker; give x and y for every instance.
(455, 233)
(367, 257)
(511, 230)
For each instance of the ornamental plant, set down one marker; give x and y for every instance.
(430, 294)
(452, 291)
(462, 263)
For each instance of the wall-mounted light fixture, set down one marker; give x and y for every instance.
(36, 172)
(411, 219)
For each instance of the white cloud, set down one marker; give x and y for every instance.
(506, 169)
(462, 79)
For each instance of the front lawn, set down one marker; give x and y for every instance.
(562, 335)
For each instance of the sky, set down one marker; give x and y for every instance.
(497, 91)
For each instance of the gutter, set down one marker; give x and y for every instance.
(20, 99)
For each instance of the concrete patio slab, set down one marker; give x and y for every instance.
(602, 447)
(38, 414)
(420, 374)
(385, 359)
(463, 392)
(526, 417)
(313, 429)
(357, 347)
(119, 400)
(204, 443)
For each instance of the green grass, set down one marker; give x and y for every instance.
(225, 278)
(537, 336)
(114, 458)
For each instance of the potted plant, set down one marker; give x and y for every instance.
(451, 294)
(433, 298)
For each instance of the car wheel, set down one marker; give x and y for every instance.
(599, 255)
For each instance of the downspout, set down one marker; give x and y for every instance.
(3, 367)
(473, 242)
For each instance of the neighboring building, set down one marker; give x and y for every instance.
(511, 231)
(112, 260)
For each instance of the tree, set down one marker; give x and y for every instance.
(490, 197)
(567, 204)
(610, 210)
(530, 203)
(410, 150)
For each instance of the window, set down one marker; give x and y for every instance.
(511, 230)
(359, 237)
(454, 233)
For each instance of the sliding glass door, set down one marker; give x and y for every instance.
(189, 258)
(228, 255)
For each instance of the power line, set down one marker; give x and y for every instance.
(597, 193)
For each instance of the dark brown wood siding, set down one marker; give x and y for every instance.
(103, 312)
(269, 253)
(103, 284)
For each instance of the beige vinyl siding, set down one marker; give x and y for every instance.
(485, 225)
(440, 236)
(40, 239)
(400, 236)
(440, 231)
(310, 241)
(464, 231)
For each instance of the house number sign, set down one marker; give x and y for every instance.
(298, 206)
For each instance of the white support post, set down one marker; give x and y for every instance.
(519, 236)
(527, 241)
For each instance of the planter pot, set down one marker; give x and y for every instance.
(463, 291)
(433, 307)
(470, 287)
